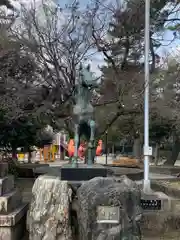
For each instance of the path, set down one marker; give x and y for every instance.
(161, 176)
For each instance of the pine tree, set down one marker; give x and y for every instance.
(123, 77)
(127, 31)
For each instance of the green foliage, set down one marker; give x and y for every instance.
(123, 77)
(159, 129)
(21, 132)
(174, 28)
(127, 26)
(23, 112)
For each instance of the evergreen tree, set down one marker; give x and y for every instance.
(123, 77)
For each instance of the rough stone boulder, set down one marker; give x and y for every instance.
(48, 217)
(123, 194)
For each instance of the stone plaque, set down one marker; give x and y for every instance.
(108, 214)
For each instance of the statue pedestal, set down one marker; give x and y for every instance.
(84, 172)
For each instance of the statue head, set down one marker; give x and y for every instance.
(87, 77)
(86, 81)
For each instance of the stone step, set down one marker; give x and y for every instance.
(3, 169)
(10, 201)
(13, 225)
(11, 219)
(6, 184)
(169, 187)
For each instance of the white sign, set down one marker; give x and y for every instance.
(108, 214)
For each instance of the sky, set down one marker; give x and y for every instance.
(169, 45)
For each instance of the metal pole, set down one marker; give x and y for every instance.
(64, 144)
(59, 142)
(146, 99)
(106, 146)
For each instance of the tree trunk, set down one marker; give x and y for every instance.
(137, 148)
(174, 153)
(156, 154)
(14, 161)
(62, 153)
(14, 153)
(29, 156)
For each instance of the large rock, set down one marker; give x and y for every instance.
(48, 216)
(123, 194)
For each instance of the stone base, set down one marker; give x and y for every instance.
(10, 201)
(6, 184)
(13, 218)
(170, 187)
(3, 169)
(82, 173)
(16, 232)
(165, 220)
(158, 200)
(158, 221)
(13, 226)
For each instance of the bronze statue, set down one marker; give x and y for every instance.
(83, 112)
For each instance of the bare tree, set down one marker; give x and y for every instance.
(122, 78)
(118, 33)
(59, 39)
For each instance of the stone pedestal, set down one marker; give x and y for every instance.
(83, 172)
(109, 209)
(49, 212)
(162, 219)
(12, 210)
(3, 170)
